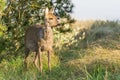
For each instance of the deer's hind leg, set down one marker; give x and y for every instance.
(27, 51)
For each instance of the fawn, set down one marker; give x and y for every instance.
(40, 38)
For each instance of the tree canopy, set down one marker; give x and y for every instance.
(19, 14)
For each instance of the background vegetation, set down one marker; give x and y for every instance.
(83, 50)
(19, 15)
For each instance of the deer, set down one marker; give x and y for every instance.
(39, 38)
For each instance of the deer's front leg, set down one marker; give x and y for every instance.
(38, 60)
(49, 60)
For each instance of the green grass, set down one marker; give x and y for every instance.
(89, 51)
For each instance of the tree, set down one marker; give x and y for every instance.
(2, 27)
(21, 13)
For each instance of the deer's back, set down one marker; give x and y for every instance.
(35, 37)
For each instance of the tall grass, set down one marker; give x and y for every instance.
(89, 50)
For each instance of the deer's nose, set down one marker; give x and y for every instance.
(58, 18)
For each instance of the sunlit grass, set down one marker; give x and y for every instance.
(89, 51)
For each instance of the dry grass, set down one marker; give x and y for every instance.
(104, 56)
(89, 51)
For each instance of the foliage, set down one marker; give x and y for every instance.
(2, 5)
(90, 51)
(76, 56)
(20, 14)
(2, 27)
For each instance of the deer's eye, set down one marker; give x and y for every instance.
(50, 18)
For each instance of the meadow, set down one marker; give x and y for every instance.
(83, 50)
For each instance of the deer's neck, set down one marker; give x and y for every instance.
(48, 34)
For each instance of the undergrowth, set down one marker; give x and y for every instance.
(89, 50)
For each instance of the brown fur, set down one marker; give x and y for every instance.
(40, 38)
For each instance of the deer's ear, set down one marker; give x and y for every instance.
(46, 11)
(52, 10)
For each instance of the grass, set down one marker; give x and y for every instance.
(89, 51)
